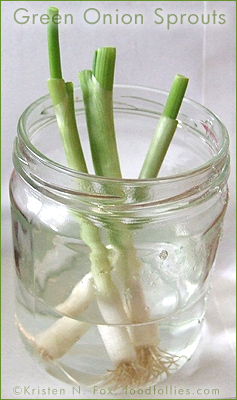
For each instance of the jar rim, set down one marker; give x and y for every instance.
(22, 134)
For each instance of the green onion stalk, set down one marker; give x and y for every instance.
(145, 337)
(127, 265)
(107, 294)
(134, 347)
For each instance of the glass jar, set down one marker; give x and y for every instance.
(112, 275)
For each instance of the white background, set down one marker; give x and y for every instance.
(147, 55)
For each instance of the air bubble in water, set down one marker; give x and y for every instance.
(163, 254)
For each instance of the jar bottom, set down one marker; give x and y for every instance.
(87, 364)
(90, 381)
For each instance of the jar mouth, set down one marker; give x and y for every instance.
(57, 166)
(169, 191)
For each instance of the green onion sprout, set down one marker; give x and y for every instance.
(165, 129)
(97, 90)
